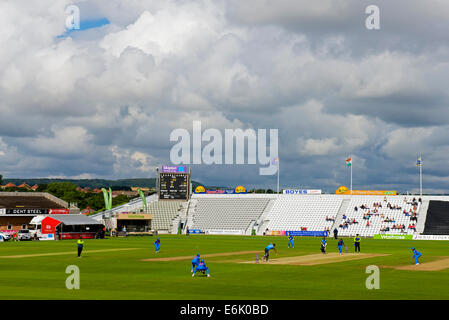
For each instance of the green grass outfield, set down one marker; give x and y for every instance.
(123, 274)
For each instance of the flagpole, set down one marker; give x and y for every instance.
(279, 161)
(351, 174)
(420, 178)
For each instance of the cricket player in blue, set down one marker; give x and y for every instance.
(340, 245)
(267, 250)
(201, 267)
(290, 241)
(323, 245)
(416, 255)
(157, 245)
(195, 261)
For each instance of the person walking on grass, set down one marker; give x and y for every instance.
(80, 243)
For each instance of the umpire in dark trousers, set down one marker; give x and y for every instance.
(357, 243)
(80, 243)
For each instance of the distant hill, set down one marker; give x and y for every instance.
(98, 183)
(91, 183)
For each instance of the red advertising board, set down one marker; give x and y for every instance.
(78, 235)
(58, 211)
(48, 225)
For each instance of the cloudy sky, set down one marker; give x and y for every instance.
(101, 102)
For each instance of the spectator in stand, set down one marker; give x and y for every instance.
(367, 223)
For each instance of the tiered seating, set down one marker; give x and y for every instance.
(27, 201)
(291, 213)
(377, 220)
(163, 213)
(226, 213)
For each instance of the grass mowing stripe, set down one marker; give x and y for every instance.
(64, 253)
(121, 274)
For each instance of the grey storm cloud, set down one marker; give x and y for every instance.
(102, 102)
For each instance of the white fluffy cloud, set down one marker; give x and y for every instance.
(102, 102)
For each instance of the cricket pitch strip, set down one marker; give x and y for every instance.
(317, 259)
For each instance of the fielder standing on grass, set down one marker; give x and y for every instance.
(323, 245)
(157, 245)
(357, 243)
(80, 243)
(290, 241)
(340, 245)
(416, 255)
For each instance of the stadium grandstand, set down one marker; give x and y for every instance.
(273, 214)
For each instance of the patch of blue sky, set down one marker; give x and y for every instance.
(86, 25)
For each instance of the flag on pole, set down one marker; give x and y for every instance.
(349, 162)
(419, 162)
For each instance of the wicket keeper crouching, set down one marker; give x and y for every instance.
(201, 267)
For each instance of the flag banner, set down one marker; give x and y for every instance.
(349, 162)
(419, 162)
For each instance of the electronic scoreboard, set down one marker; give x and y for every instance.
(174, 183)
